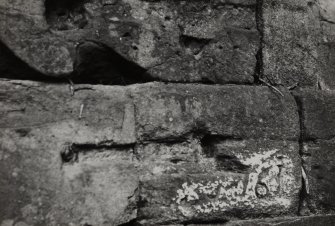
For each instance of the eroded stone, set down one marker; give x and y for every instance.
(38, 185)
(175, 111)
(317, 108)
(290, 42)
(199, 41)
(319, 164)
(27, 104)
(200, 187)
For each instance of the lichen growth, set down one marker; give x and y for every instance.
(267, 184)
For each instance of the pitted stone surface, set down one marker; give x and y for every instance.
(317, 109)
(319, 163)
(172, 111)
(211, 41)
(219, 187)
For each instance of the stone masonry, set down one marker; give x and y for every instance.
(167, 112)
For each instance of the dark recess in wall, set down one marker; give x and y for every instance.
(66, 14)
(224, 161)
(97, 63)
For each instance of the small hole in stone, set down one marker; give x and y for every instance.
(176, 161)
(127, 34)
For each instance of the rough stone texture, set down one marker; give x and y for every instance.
(317, 109)
(175, 111)
(38, 189)
(38, 123)
(210, 41)
(319, 162)
(35, 105)
(289, 42)
(239, 147)
(326, 43)
(221, 180)
(289, 221)
(21, 27)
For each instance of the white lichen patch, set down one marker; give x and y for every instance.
(268, 183)
(187, 193)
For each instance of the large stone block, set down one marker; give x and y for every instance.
(94, 114)
(317, 109)
(38, 188)
(210, 41)
(175, 111)
(66, 159)
(326, 44)
(218, 180)
(290, 30)
(319, 162)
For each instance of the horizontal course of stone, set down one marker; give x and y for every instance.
(228, 117)
(92, 156)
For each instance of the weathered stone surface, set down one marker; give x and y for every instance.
(317, 108)
(24, 31)
(290, 42)
(327, 10)
(319, 161)
(221, 180)
(38, 189)
(58, 166)
(326, 44)
(327, 220)
(174, 111)
(201, 41)
(107, 112)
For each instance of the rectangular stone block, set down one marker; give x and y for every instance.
(290, 30)
(326, 44)
(94, 114)
(217, 180)
(66, 159)
(318, 110)
(319, 162)
(175, 111)
(37, 187)
(195, 41)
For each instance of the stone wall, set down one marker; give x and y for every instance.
(152, 112)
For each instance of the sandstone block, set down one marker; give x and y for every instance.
(66, 159)
(290, 43)
(94, 114)
(175, 111)
(212, 42)
(319, 164)
(37, 188)
(218, 180)
(317, 108)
